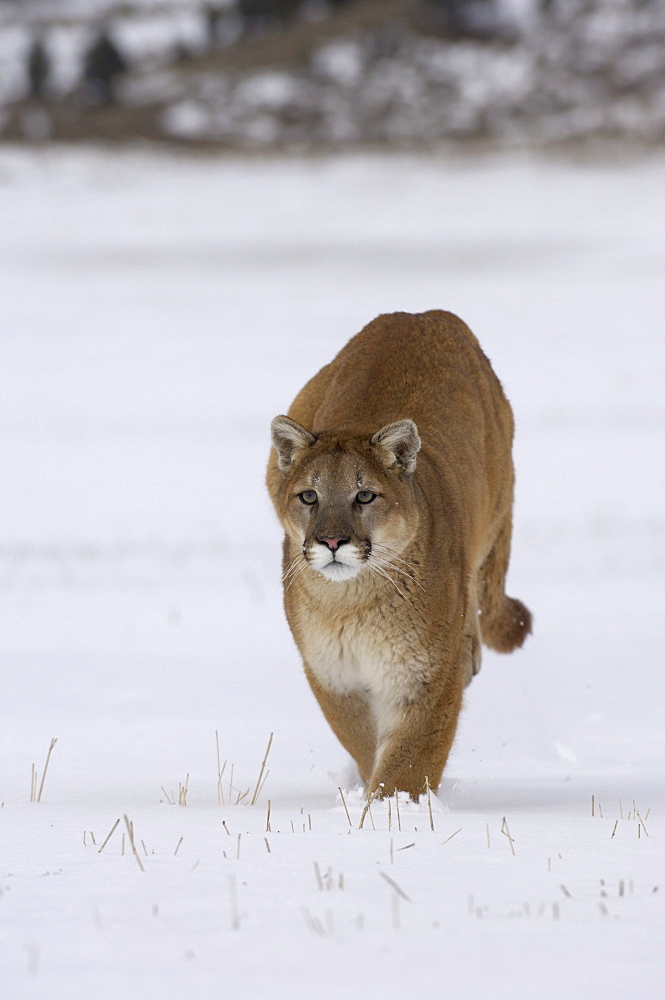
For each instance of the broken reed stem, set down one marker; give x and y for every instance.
(130, 832)
(109, 835)
(41, 785)
(399, 818)
(429, 804)
(344, 804)
(260, 777)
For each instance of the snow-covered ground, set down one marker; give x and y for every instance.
(156, 313)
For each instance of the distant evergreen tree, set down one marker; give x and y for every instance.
(103, 65)
(268, 10)
(39, 68)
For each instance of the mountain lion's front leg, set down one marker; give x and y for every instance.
(414, 752)
(350, 717)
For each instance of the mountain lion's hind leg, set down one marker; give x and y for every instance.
(504, 622)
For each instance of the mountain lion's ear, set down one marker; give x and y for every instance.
(398, 444)
(288, 437)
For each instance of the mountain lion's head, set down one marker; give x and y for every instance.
(346, 502)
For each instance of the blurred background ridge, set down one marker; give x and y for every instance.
(333, 74)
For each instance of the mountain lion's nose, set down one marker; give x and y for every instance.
(332, 543)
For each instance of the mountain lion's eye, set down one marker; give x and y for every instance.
(308, 496)
(365, 496)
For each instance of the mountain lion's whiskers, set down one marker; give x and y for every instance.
(376, 569)
(294, 571)
(388, 563)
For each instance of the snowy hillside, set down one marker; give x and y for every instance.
(340, 76)
(157, 313)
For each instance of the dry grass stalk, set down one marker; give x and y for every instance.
(614, 828)
(130, 832)
(226, 827)
(268, 830)
(177, 846)
(267, 843)
(487, 828)
(220, 772)
(506, 832)
(260, 777)
(367, 810)
(313, 923)
(344, 804)
(317, 873)
(643, 826)
(36, 796)
(451, 836)
(238, 848)
(182, 792)
(391, 882)
(48, 758)
(399, 818)
(429, 804)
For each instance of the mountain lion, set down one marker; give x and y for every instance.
(393, 479)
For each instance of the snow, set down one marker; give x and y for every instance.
(158, 311)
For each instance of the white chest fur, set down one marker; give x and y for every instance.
(356, 655)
